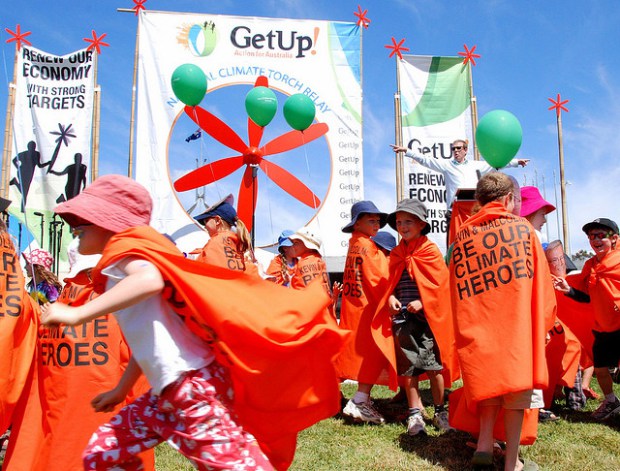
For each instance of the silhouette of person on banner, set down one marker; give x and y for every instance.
(76, 178)
(26, 163)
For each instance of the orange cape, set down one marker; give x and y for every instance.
(55, 420)
(222, 250)
(309, 267)
(578, 317)
(366, 355)
(601, 280)
(18, 332)
(278, 343)
(425, 264)
(563, 351)
(503, 305)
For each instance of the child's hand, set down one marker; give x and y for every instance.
(394, 304)
(107, 401)
(414, 306)
(57, 313)
(336, 290)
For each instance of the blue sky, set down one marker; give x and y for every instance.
(530, 50)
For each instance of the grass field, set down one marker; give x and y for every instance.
(575, 442)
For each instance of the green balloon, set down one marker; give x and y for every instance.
(299, 111)
(261, 105)
(189, 84)
(498, 137)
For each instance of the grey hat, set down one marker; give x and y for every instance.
(411, 206)
(603, 223)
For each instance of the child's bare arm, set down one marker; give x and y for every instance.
(107, 401)
(143, 281)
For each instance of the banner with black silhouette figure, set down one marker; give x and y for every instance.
(51, 149)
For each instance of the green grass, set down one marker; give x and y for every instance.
(575, 442)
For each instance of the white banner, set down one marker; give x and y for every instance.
(53, 114)
(435, 110)
(319, 59)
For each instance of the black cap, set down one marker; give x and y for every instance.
(603, 223)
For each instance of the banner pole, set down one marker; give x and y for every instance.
(398, 137)
(8, 133)
(132, 120)
(563, 187)
(94, 167)
(474, 112)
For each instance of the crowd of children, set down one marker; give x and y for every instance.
(200, 330)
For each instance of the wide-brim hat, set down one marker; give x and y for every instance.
(602, 223)
(81, 263)
(223, 208)
(4, 204)
(360, 208)
(532, 201)
(112, 202)
(284, 240)
(385, 240)
(411, 206)
(39, 257)
(310, 239)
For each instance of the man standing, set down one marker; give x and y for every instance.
(503, 305)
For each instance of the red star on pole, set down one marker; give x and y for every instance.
(469, 55)
(139, 6)
(96, 42)
(558, 105)
(363, 20)
(18, 37)
(397, 48)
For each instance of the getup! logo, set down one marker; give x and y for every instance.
(200, 39)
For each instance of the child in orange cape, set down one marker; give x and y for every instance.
(282, 267)
(364, 358)
(419, 304)
(229, 244)
(503, 305)
(599, 280)
(199, 333)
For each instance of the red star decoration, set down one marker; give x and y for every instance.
(139, 6)
(18, 37)
(363, 20)
(96, 42)
(397, 48)
(469, 55)
(558, 105)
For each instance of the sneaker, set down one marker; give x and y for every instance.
(363, 412)
(545, 415)
(416, 425)
(606, 409)
(441, 422)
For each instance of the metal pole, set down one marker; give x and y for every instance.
(474, 113)
(557, 213)
(8, 133)
(398, 136)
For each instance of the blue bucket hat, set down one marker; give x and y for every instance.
(283, 239)
(360, 208)
(385, 240)
(223, 208)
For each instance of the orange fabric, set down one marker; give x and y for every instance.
(222, 250)
(368, 355)
(425, 264)
(278, 343)
(309, 267)
(503, 304)
(74, 364)
(563, 351)
(578, 317)
(278, 272)
(19, 320)
(601, 280)
(466, 419)
(461, 210)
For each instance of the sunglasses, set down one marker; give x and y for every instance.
(599, 235)
(457, 147)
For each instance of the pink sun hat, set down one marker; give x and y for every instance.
(39, 257)
(532, 201)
